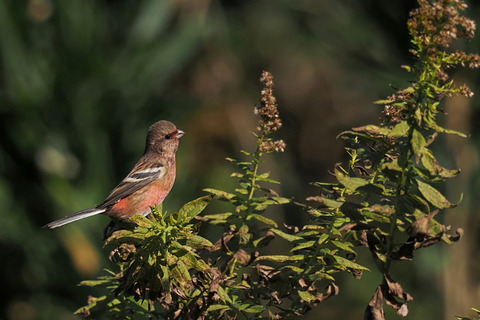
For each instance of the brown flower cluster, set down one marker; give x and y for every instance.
(442, 20)
(269, 116)
(395, 112)
(272, 145)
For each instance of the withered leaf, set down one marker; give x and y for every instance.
(392, 291)
(405, 252)
(242, 256)
(330, 290)
(374, 310)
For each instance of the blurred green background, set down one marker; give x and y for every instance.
(82, 80)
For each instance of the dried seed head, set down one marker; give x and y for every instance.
(269, 116)
(267, 109)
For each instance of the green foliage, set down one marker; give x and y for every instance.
(166, 270)
(159, 268)
(388, 192)
(385, 198)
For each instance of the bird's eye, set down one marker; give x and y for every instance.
(168, 136)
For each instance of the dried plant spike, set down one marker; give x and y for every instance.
(267, 109)
(269, 117)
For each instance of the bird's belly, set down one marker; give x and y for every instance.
(140, 201)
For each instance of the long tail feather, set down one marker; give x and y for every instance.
(73, 217)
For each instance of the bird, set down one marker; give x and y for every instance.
(146, 186)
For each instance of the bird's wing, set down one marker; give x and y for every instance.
(135, 180)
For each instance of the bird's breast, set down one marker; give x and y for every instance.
(143, 199)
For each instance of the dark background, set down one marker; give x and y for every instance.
(82, 80)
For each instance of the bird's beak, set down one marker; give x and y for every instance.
(180, 133)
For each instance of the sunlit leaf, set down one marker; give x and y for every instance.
(286, 236)
(262, 219)
(433, 196)
(349, 263)
(193, 208)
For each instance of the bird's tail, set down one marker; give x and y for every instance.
(73, 217)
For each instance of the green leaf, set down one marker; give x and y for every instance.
(386, 101)
(223, 295)
(418, 143)
(306, 296)
(94, 283)
(438, 128)
(215, 307)
(431, 164)
(286, 236)
(220, 194)
(193, 208)
(198, 242)
(322, 238)
(349, 263)
(281, 258)
(180, 274)
(92, 304)
(304, 245)
(433, 195)
(263, 241)
(218, 216)
(329, 203)
(350, 183)
(141, 221)
(262, 219)
(373, 130)
(343, 245)
(278, 200)
(400, 129)
(255, 309)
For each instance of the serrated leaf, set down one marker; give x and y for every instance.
(281, 258)
(342, 245)
(400, 130)
(431, 164)
(322, 238)
(92, 304)
(433, 196)
(286, 236)
(215, 307)
(376, 216)
(263, 241)
(329, 203)
(255, 309)
(193, 208)
(94, 283)
(223, 295)
(293, 268)
(349, 263)
(193, 262)
(141, 221)
(218, 216)
(220, 194)
(237, 175)
(180, 274)
(373, 130)
(303, 245)
(241, 191)
(418, 143)
(351, 183)
(198, 242)
(278, 200)
(263, 175)
(438, 128)
(262, 219)
(385, 101)
(306, 296)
